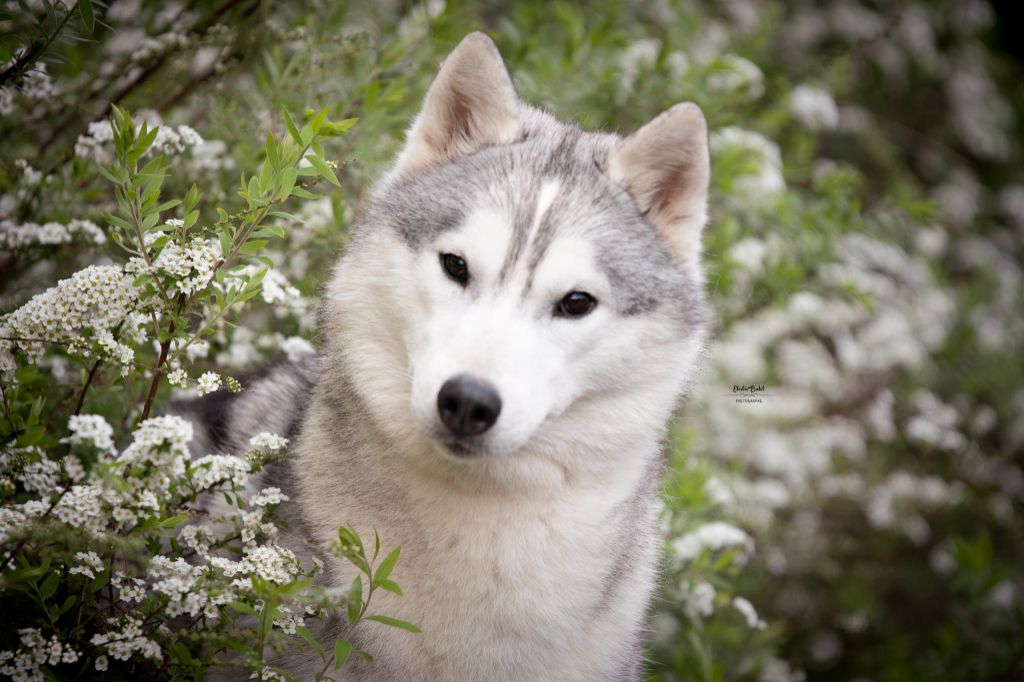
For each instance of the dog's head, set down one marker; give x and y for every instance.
(519, 284)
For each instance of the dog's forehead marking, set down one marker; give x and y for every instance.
(526, 232)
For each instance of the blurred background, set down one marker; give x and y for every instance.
(845, 480)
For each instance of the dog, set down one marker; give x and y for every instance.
(504, 340)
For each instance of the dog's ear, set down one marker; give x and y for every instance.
(665, 167)
(471, 104)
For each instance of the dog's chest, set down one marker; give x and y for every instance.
(511, 591)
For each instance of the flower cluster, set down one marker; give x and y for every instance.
(188, 269)
(20, 235)
(34, 652)
(762, 179)
(87, 313)
(95, 143)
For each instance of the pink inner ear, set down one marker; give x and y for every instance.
(665, 166)
(471, 104)
(455, 125)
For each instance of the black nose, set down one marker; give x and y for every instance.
(468, 406)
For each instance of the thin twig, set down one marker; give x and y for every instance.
(31, 53)
(88, 382)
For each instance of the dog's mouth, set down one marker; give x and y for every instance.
(461, 449)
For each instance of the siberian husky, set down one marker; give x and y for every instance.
(503, 343)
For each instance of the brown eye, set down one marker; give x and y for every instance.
(575, 304)
(455, 267)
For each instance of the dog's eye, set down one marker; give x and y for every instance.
(575, 304)
(455, 267)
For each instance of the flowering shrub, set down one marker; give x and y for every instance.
(845, 475)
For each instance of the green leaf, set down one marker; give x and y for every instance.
(256, 278)
(167, 205)
(386, 566)
(288, 177)
(174, 521)
(31, 436)
(395, 623)
(268, 231)
(342, 650)
(68, 603)
(242, 298)
(311, 641)
(319, 120)
(242, 607)
(117, 222)
(191, 197)
(49, 586)
(225, 242)
(389, 585)
(88, 18)
(99, 581)
(184, 655)
(338, 128)
(304, 194)
(355, 600)
(273, 155)
(252, 246)
(113, 174)
(292, 130)
(323, 168)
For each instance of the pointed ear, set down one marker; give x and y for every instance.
(470, 105)
(665, 167)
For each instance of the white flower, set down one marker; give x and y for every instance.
(178, 377)
(208, 383)
(714, 536)
(82, 507)
(90, 429)
(749, 254)
(744, 606)
(268, 441)
(131, 590)
(296, 347)
(40, 476)
(814, 108)
(126, 639)
(89, 564)
(777, 670)
(198, 538)
(267, 497)
(212, 470)
(638, 57)
(271, 563)
(277, 289)
(737, 74)
(765, 180)
(95, 142)
(101, 663)
(700, 600)
(159, 452)
(190, 268)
